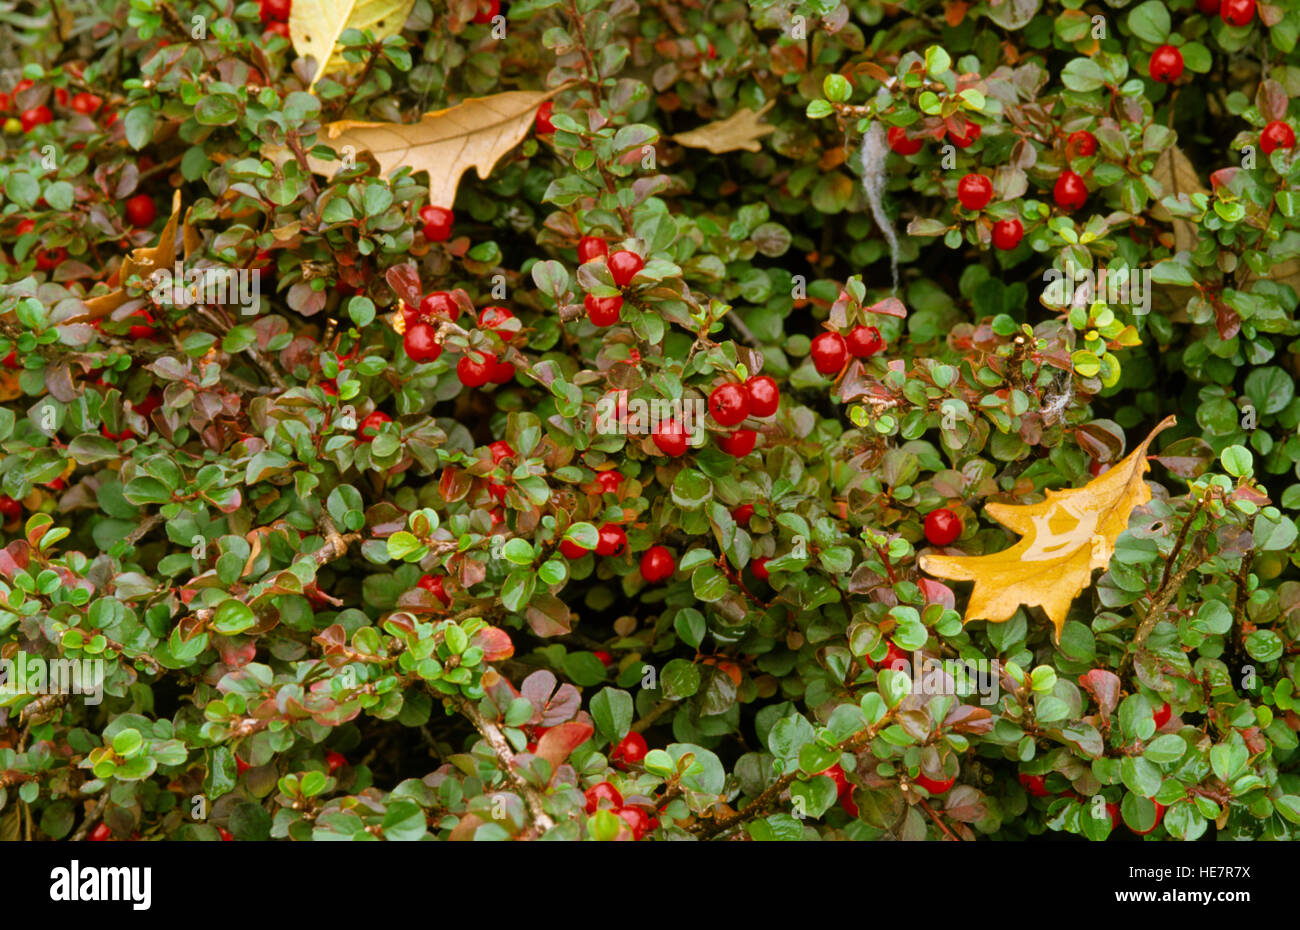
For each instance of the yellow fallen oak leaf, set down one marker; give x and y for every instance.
(446, 143)
(316, 25)
(740, 130)
(144, 262)
(1066, 536)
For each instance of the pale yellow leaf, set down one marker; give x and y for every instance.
(445, 143)
(1066, 536)
(740, 130)
(315, 27)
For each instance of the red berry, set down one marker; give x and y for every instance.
(836, 774)
(900, 143)
(729, 404)
(609, 481)
(1069, 192)
(571, 549)
(226, 835)
(966, 140)
(893, 657)
(10, 509)
(144, 328)
(942, 527)
(637, 820)
(48, 260)
(624, 266)
(86, 103)
(1035, 785)
(100, 833)
(657, 564)
(501, 450)
(605, 658)
(241, 766)
(974, 191)
(493, 317)
(759, 567)
(1208, 7)
(739, 443)
(1160, 808)
(1276, 135)
(274, 10)
(24, 227)
(24, 84)
(487, 10)
(421, 342)
(1113, 809)
(140, 210)
(5, 102)
(743, 514)
(440, 304)
(602, 791)
(433, 584)
(933, 786)
(1166, 64)
(631, 750)
(764, 396)
(864, 341)
(829, 353)
(1162, 714)
(591, 247)
(1237, 12)
(612, 540)
(437, 223)
(1007, 234)
(34, 117)
(474, 372)
(1081, 143)
(670, 437)
(11, 361)
(603, 311)
(277, 29)
(542, 121)
(335, 760)
(369, 428)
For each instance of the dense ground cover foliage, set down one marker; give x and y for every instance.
(372, 554)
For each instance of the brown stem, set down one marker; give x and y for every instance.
(505, 755)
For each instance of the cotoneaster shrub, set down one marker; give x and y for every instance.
(354, 572)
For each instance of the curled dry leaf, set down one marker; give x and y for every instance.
(316, 25)
(1066, 536)
(144, 262)
(446, 143)
(740, 130)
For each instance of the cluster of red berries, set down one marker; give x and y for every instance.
(623, 266)
(275, 16)
(903, 144)
(604, 796)
(830, 351)
(474, 368)
(611, 540)
(84, 102)
(732, 404)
